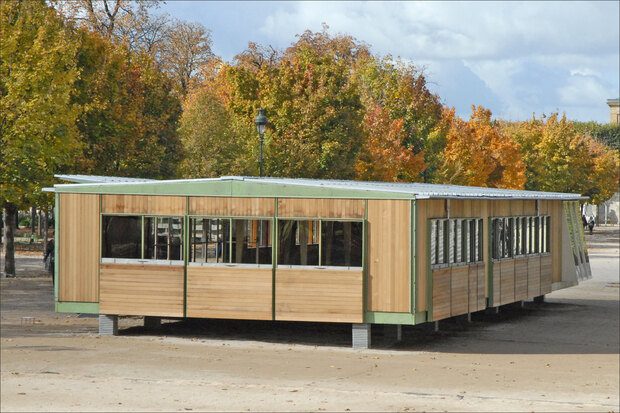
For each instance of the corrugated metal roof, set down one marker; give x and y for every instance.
(97, 179)
(417, 190)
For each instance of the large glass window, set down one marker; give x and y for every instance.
(320, 243)
(209, 240)
(121, 236)
(251, 241)
(341, 243)
(163, 238)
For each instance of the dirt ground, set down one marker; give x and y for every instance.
(562, 355)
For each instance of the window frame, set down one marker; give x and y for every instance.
(529, 236)
(142, 260)
(229, 241)
(319, 226)
(454, 243)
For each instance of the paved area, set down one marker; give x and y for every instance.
(562, 355)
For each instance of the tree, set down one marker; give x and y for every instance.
(478, 154)
(37, 117)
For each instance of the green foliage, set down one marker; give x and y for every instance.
(606, 133)
(38, 135)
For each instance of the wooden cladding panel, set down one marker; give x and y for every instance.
(79, 248)
(533, 276)
(322, 208)
(472, 276)
(148, 290)
(425, 209)
(143, 204)
(459, 287)
(507, 282)
(389, 248)
(482, 286)
(441, 293)
(497, 285)
(236, 292)
(319, 295)
(521, 279)
(227, 206)
(546, 274)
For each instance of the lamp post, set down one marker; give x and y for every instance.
(261, 123)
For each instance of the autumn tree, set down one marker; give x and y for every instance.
(38, 134)
(477, 153)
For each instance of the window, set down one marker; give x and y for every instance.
(230, 241)
(121, 237)
(455, 241)
(517, 236)
(251, 241)
(163, 238)
(209, 239)
(341, 243)
(320, 243)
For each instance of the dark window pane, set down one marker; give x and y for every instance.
(250, 241)
(163, 238)
(121, 237)
(341, 244)
(209, 240)
(298, 242)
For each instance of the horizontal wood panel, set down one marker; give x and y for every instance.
(143, 204)
(232, 206)
(389, 270)
(322, 208)
(223, 292)
(147, 290)
(78, 252)
(319, 295)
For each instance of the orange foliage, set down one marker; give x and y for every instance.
(383, 157)
(478, 154)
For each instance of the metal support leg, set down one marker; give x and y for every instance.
(469, 317)
(436, 326)
(360, 335)
(522, 304)
(152, 323)
(399, 332)
(108, 325)
(539, 299)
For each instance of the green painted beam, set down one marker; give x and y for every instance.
(236, 188)
(76, 307)
(378, 317)
(56, 242)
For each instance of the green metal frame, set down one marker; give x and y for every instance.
(56, 244)
(76, 307)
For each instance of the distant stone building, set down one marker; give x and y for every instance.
(614, 111)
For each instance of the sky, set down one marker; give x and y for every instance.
(516, 58)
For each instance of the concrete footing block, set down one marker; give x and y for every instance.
(152, 323)
(360, 335)
(108, 325)
(539, 299)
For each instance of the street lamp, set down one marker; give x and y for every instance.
(261, 124)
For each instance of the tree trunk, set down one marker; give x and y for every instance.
(9, 248)
(33, 219)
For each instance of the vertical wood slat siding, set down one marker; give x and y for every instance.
(233, 293)
(472, 299)
(226, 206)
(521, 279)
(441, 293)
(426, 209)
(389, 271)
(459, 296)
(533, 276)
(143, 204)
(79, 248)
(546, 274)
(482, 286)
(319, 295)
(507, 283)
(149, 290)
(322, 208)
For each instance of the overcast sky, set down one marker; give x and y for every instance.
(517, 58)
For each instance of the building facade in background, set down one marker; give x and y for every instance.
(614, 111)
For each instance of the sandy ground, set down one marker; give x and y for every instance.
(562, 355)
